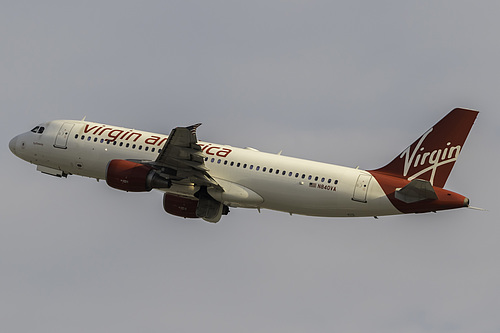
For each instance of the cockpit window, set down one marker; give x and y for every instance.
(38, 129)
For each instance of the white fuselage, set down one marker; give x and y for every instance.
(283, 183)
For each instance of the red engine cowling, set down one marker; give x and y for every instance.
(129, 176)
(180, 206)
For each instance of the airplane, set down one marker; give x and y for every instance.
(203, 180)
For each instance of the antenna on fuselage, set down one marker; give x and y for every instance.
(84, 118)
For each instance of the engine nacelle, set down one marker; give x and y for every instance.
(133, 177)
(180, 206)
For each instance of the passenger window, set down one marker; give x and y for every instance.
(95, 139)
(133, 146)
(316, 178)
(83, 137)
(283, 173)
(277, 171)
(310, 177)
(225, 162)
(218, 161)
(121, 144)
(89, 138)
(232, 163)
(212, 160)
(257, 168)
(238, 165)
(153, 150)
(114, 143)
(297, 175)
(271, 170)
(329, 181)
(146, 148)
(336, 182)
(140, 147)
(244, 166)
(76, 135)
(264, 169)
(127, 145)
(290, 174)
(102, 140)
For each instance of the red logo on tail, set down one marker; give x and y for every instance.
(432, 156)
(419, 161)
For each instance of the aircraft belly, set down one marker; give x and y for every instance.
(305, 199)
(293, 197)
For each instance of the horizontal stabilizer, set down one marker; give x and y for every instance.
(416, 190)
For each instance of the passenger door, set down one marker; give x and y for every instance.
(361, 188)
(63, 135)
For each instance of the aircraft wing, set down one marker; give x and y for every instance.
(182, 159)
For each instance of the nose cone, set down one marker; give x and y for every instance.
(12, 145)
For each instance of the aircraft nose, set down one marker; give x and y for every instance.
(12, 145)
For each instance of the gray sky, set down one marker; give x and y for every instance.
(345, 82)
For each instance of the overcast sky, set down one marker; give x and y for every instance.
(344, 82)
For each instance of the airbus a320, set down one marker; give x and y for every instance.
(203, 180)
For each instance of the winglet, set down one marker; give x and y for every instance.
(193, 128)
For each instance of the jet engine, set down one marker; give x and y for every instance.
(133, 177)
(180, 206)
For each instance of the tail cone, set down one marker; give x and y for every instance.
(466, 202)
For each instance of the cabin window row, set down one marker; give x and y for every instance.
(116, 143)
(213, 160)
(271, 170)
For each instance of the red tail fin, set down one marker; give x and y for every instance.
(432, 156)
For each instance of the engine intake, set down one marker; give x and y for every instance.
(133, 177)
